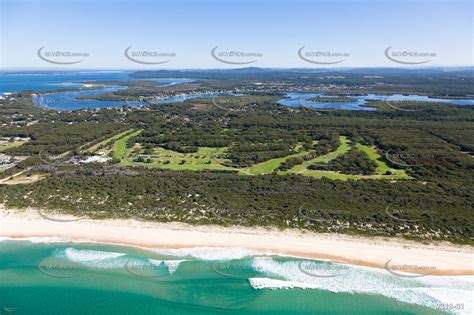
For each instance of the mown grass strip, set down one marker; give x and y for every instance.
(107, 141)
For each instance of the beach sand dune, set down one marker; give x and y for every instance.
(397, 255)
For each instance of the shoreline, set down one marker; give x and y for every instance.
(394, 255)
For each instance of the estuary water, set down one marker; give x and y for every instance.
(68, 100)
(304, 100)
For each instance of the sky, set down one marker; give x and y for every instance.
(182, 34)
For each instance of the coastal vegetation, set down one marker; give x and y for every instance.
(246, 160)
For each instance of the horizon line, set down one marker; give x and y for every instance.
(236, 68)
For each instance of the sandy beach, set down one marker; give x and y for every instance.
(392, 254)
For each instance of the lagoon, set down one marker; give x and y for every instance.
(304, 100)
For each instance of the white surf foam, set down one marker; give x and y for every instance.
(171, 265)
(209, 253)
(107, 260)
(430, 291)
(92, 259)
(85, 255)
(274, 284)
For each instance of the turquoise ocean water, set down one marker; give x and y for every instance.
(38, 277)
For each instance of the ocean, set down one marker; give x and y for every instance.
(51, 276)
(44, 82)
(52, 80)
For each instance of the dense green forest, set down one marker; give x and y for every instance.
(353, 162)
(433, 146)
